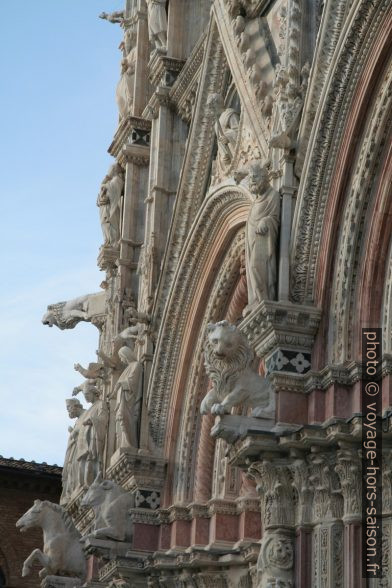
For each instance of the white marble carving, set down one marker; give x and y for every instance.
(62, 552)
(157, 23)
(226, 130)
(125, 89)
(261, 237)
(85, 448)
(94, 370)
(110, 504)
(289, 100)
(228, 361)
(66, 315)
(128, 393)
(108, 201)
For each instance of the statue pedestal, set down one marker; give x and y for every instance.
(105, 548)
(60, 582)
(232, 427)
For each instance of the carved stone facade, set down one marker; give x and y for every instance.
(246, 241)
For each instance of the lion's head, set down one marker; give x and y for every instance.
(225, 340)
(226, 352)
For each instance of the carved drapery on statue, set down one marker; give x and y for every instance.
(128, 399)
(226, 131)
(261, 237)
(157, 23)
(109, 199)
(86, 441)
(125, 89)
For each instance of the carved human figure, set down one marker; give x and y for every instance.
(108, 200)
(124, 91)
(91, 438)
(128, 399)
(157, 23)
(261, 237)
(226, 128)
(83, 458)
(69, 474)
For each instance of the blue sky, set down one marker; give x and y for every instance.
(59, 68)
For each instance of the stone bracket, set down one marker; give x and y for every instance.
(283, 334)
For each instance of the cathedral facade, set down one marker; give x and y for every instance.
(246, 246)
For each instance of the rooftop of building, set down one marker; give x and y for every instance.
(29, 467)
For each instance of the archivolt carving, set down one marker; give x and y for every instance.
(191, 190)
(222, 289)
(354, 225)
(387, 306)
(330, 120)
(226, 207)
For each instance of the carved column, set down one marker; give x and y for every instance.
(275, 565)
(303, 541)
(287, 191)
(327, 556)
(348, 469)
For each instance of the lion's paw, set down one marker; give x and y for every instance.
(218, 409)
(25, 571)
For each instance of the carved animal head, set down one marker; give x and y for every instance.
(226, 354)
(49, 319)
(101, 491)
(31, 518)
(225, 341)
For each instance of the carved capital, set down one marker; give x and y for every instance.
(349, 470)
(274, 484)
(327, 498)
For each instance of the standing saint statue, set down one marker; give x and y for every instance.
(157, 23)
(128, 391)
(92, 432)
(261, 237)
(69, 474)
(108, 201)
(125, 89)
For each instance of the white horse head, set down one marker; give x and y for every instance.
(32, 518)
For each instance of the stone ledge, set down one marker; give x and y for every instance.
(60, 582)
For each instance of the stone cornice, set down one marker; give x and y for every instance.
(333, 433)
(123, 566)
(164, 70)
(220, 506)
(132, 469)
(144, 516)
(124, 131)
(281, 323)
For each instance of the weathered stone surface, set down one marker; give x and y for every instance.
(237, 199)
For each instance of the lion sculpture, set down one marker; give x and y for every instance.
(228, 362)
(110, 503)
(66, 315)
